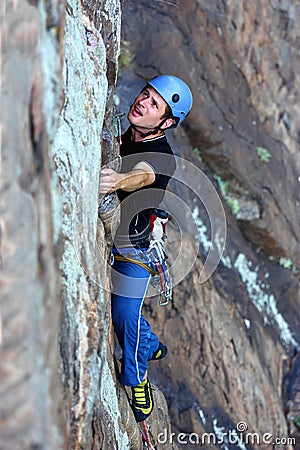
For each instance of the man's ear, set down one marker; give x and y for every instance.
(167, 123)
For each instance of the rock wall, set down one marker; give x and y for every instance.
(92, 417)
(229, 59)
(236, 336)
(29, 273)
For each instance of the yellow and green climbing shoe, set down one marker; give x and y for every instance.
(160, 353)
(142, 400)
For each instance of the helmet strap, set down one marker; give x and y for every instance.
(151, 132)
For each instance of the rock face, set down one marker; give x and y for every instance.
(237, 335)
(29, 273)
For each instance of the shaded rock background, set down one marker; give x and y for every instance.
(234, 340)
(236, 336)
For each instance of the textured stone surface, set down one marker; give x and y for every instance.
(233, 341)
(28, 277)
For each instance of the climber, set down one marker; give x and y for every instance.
(148, 165)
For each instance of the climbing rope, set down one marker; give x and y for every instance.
(155, 273)
(145, 435)
(139, 263)
(143, 428)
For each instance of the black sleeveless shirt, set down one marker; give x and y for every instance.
(137, 206)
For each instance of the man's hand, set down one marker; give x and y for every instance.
(109, 180)
(141, 175)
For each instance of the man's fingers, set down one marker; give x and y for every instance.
(104, 189)
(107, 181)
(106, 186)
(106, 172)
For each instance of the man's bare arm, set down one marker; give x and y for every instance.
(141, 175)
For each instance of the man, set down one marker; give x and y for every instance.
(148, 164)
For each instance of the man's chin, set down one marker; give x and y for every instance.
(133, 121)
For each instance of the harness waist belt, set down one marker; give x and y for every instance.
(139, 263)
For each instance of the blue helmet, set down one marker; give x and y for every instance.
(176, 94)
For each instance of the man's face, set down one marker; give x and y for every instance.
(147, 110)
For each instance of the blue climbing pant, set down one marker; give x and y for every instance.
(129, 285)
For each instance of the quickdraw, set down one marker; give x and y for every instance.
(118, 128)
(118, 135)
(166, 286)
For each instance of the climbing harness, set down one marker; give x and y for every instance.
(118, 257)
(161, 279)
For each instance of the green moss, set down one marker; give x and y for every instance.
(197, 153)
(231, 201)
(263, 154)
(125, 56)
(286, 263)
(297, 421)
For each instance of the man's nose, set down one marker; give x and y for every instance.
(143, 102)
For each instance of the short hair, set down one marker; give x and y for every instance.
(167, 114)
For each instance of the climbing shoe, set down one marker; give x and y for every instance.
(160, 353)
(142, 400)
